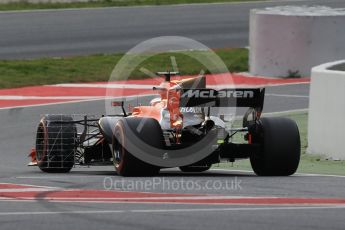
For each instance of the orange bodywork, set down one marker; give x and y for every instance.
(170, 100)
(149, 111)
(33, 158)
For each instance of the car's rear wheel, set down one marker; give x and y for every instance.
(55, 143)
(149, 133)
(280, 147)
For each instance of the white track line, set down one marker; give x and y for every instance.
(241, 86)
(10, 97)
(235, 170)
(296, 174)
(10, 190)
(286, 95)
(195, 210)
(57, 177)
(32, 186)
(199, 197)
(319, 175)
(106, 86)
(76, 101)
(280, 113)
(292, 111)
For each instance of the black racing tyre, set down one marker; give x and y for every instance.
(195, 168)
(150, 133)
(280, 147)
(55, 143)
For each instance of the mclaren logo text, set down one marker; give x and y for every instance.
(218, 94)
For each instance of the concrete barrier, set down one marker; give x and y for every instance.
(290, 40)
(326, 123)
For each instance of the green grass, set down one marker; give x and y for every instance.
(317, 164)
(18, 73)
(24, 5)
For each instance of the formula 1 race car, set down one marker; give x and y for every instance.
(177, 129)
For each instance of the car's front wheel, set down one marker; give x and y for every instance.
(55, 143)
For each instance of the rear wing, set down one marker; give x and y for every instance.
(251, 97)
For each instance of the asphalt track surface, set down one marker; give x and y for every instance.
(51, 33)
(239, 200)
(18, 133)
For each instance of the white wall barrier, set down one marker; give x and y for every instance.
(289, 39)
(326, 123)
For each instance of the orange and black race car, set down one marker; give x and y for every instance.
(179, 128)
